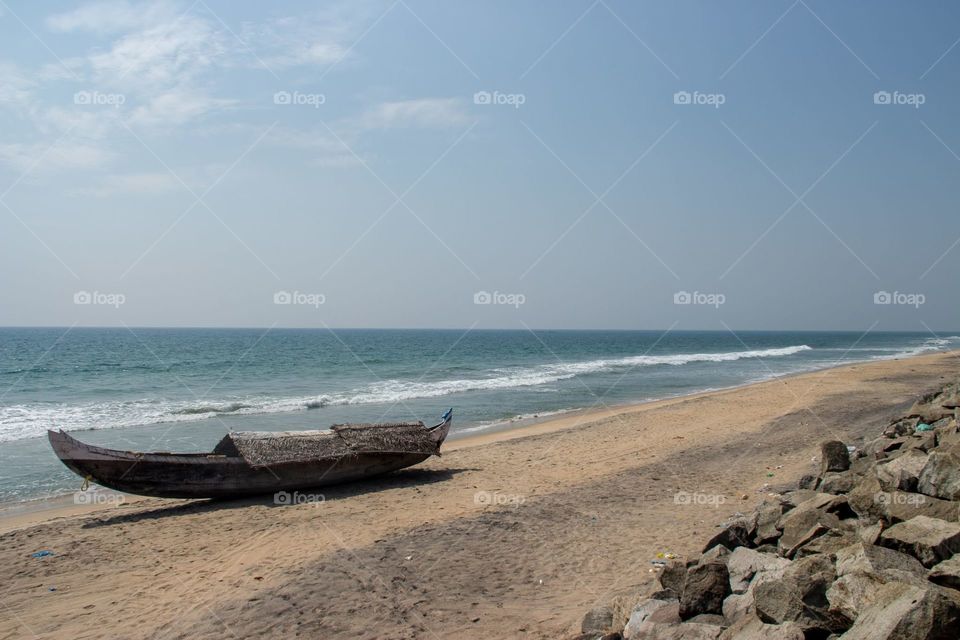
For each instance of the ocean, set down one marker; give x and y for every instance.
(183, 389)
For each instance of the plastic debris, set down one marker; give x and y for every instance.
(923, 426)
(42, 553)
(668, 556)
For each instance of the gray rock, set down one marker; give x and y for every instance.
(830, 542)
(947, 573)
(791, 499)
(849, 594)
(929, 540)
(870, 533)
(901, 427)
(708, 618)
(745, 564)
(719, 553)
(704, 589)
(804, 523)
(737, 605)
(833, 457)
(901, 611)
(598, 619)
(649, 612)
(924, 441)
(901, 472)
(737, 533)
(867, 558)
(940, 476)
(673, 575)
(681, 631)
(808, 481)
(768, 514)
(752, 628)
(837, 482)
(800, 596)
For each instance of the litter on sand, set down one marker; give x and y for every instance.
(42, 553)
(923, 426)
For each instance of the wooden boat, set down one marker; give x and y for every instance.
(251, 462)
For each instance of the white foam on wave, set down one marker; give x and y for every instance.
(29, 421)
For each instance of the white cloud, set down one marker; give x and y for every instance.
(132, 184)
(109, 16)
(176, 107)
(38, 157)
(422, 113)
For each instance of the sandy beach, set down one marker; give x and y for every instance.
(507, 535)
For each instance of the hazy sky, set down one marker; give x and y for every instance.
(186, 163)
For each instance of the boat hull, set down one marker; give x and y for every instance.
(201, 475)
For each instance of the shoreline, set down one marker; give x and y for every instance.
(25, 513)
(512, 534)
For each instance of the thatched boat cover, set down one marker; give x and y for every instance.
(263, 448)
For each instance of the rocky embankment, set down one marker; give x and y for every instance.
(863, 551)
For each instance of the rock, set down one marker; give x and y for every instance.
(829, 543)
(940, 476)
(901, 472)
(849, 594)
(647, 613)
(735, 534)
(808, 481)
(673, 576)
(899, 506)
(752, 628)
(718, 553)
(947, 573)
(704, 589)
(598, 619)
(800, 596)
(867, 558)
(929, 540)
(838, 481)
(744, 564)
(929, 412)
(708, 618)
(681, 631)
(791, 499)
(901, 611)
(870, 533)
(901, 427)
(924, 441)
(834, 457)
(768, 514)
(803, 524)
(737, 605)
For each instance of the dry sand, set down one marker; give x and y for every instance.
(512, 535)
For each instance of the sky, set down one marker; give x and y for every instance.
(578, 164)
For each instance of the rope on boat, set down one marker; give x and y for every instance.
(86, 483)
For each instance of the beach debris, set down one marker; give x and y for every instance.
(666, 555)
(43, 553)
(51, 588)
(923, 426)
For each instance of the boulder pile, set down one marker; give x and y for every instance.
(863, 550)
